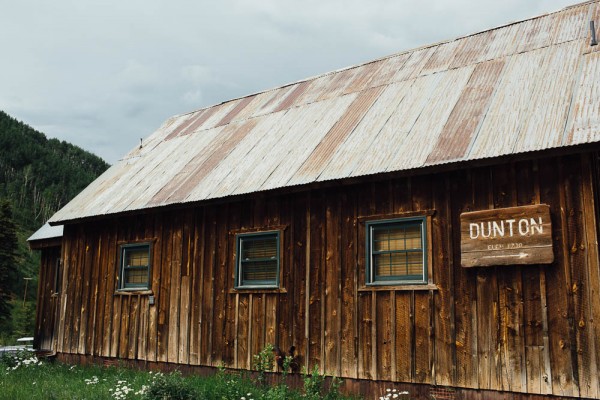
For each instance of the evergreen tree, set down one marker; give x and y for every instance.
(8, 248)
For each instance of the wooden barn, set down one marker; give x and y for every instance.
(427, 220)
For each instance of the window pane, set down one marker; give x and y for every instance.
(136, 257)
(397, 251)
(397, 238)
(136, 277)
(259, 271)
(259, 248)
(258, 264)
(135, 267)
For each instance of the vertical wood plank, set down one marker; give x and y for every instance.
(208, 280)
(422, 335)
(443, 276)
(587, 369)
(297, 293)
(184, 321)
(331, 272)
(134, 326)
(102, 290)
(78, 344)
(197, 288)
(315, 290)
(186, 286)
(422, 197)
(220, 277)
(123, 338)
(365, 336)
(95, 325)
(364, 301)
(76, 274)
(250, 331)
(271, 306)
(233, 223)
(403, 348)
(511, 368)
(383, 361)
(162, 350)
(111, 277)
(349, 283)
(308, 294)
(175, 289)
(590, 211)
(558, 285)
(157, 268)
(465, 286)
(243, 330)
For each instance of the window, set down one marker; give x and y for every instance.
(396, 251)
(135, 267)
(257, 263)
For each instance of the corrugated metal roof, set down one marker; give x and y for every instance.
(47, 232)
(526, 86)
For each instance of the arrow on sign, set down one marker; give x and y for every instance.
(520, 255)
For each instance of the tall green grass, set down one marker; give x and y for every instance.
(27, 378)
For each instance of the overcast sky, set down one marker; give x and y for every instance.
(103, 74)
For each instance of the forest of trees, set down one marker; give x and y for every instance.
(37, 177)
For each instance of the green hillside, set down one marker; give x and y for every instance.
(37, 177)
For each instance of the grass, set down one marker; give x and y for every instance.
(25, 377)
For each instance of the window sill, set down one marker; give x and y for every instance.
(133, 292)
(388, 288)
(257, 290)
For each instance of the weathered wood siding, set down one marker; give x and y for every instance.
(512, 328)
(47, 299)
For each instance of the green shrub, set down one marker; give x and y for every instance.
(169, 387)
(263, 362)
(314, 386)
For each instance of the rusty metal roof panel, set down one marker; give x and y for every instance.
(536, 33)
(338, 84)
(363, 76)
(510, 106)
(234, 159)
(454, 138)
(584, 124)
(550, 100)
(301, 125)
(272, 104)
(388, 69)
(316, 89)
(505, 42)
(441, 58)
(352, 149)
(414, 65)
(313, 165)
(472, 49)
(572, 24)
(309, 134)
(241, 104)
(170, 174)
(395, 132)
(522, 87)
(413, 151)
(143, 172)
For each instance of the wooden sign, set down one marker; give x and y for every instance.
(506, 236)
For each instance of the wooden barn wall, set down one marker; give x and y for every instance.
(511, 328)
(47, 299)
